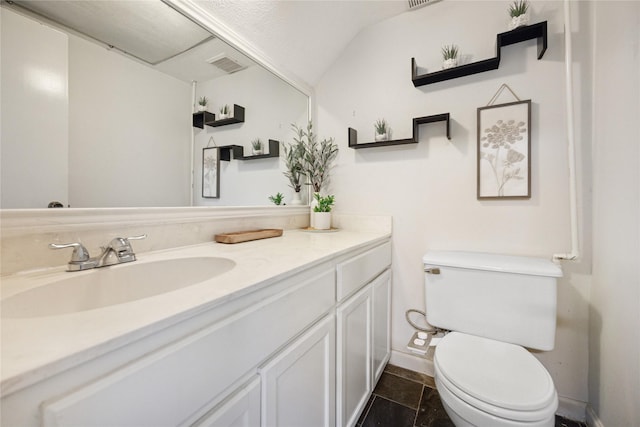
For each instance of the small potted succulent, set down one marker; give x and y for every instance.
(225, 112)
(449, 56)
(322, 212)
(202, 103)
(382, 130)
(257, 147)
(519, 12)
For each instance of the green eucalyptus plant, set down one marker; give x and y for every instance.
(381, 126)
(518, 7)
(324, 203)
(277, 199)
(293, 155)
(317, 157)
(449, 51)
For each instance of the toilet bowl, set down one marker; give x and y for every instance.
(488, 383)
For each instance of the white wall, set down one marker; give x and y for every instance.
(129, 131)
(271, 106)
(430, 188)
(614, 327)
(35, 110)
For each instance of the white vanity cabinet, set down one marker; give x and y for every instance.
(363, 329)
(304, 349)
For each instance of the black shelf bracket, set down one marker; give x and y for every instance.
(417, 121)
(202, 118)
(529, 32)
(238, 152)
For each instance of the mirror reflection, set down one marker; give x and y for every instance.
(98, 101)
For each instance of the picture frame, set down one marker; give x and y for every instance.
(211, 173)
(504, 151)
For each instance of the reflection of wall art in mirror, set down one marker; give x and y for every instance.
(504, 151)
(210, 173)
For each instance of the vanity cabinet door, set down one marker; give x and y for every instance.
(242, 409)
(353, 366)
(298, 385)
(381, 323)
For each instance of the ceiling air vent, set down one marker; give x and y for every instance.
(415, 4)
(226, 64)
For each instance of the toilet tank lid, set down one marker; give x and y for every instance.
(493, 262)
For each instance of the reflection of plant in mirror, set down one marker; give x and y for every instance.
(203, 101)
(256, 144)
(293, 154)
(324, 203)
(277, 199)
(518, 7)
(317, 157)
(503, 135)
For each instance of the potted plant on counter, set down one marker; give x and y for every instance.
(277, 199)
(449, 56)
(518, 10)
(322, 212)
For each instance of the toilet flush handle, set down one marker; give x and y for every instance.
(432, 270)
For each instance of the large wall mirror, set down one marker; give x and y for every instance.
(98, 101)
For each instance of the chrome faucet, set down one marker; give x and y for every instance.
(118, 251)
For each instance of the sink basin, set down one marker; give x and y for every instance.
(103, 287)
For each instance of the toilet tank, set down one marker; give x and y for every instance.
(501, 297)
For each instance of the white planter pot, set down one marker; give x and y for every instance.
(312, 204)
(449, 63)
(322, 220)
(256, 152)
(382, 136)
(223, 116)
(202, 107)
(296, 200)
(519, 21)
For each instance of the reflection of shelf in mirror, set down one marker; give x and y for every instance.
(202, 117)
(353, 134)
(238, 152)
(535, 31)
(238, 117)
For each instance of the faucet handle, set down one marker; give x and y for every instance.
(140, 237)
(80, 253)
(123, 248)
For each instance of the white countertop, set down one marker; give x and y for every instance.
(36, 348)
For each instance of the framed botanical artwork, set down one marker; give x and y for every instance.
(211, 173)
(504, 151)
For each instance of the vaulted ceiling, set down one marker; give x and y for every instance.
(303, 36)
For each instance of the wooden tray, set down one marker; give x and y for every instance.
(245, 236)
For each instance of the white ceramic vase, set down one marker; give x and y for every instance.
(312, 204)
(322, 220)
(519, 21)
(449, 63)
(296, 200)
(382, 136)
(202, 107)
(256, 152)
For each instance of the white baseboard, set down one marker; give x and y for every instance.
(413, 362)
(592, 418)
(572, 409)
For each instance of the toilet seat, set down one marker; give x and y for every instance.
(498, 378)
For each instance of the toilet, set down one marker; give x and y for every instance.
(495, 307)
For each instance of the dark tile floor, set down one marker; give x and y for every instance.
(404, 398)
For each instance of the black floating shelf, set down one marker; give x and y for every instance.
(238, 152)
(353, 134)
(535, 31)
(202, 117)
(238, 117)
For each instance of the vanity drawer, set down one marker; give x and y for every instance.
(171, 384)
(360, 270)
